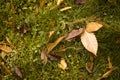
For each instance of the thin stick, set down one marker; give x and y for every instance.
(13, 21)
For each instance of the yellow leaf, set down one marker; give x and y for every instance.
(93, 26)
(89, 41)
(63, 64)
(5, 48)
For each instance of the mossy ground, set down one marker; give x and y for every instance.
(29, 46)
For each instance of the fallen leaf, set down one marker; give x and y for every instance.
(109, 63)
(89, 41)
(53, 57)
(59, 2)
(44, 56)
(17, 71)
(90, 64)
(65, 8)
(93, 26)
(89, 67)
(80, 1)
(49, 47)
(5, 67)
(74, 33)
(5, 48)
(51, 33)
(23, 29)
(63, 64)
(105, 75)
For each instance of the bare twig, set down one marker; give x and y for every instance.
(13, 20)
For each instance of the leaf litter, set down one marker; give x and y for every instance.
(93, 26)
(111, 68)
(89, 41)
(62, 64)
(5, 48)
(5, 67)
(74, 33)
(90, 64)
(49, 47)
(17, 71)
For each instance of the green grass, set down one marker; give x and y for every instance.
(29, 47)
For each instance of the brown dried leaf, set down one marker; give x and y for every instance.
(89, 67)
(105, 75)
(74, 33)
(89, 41)
(53, 57)
(93, 26)
(17, 71)
(63, 64)
(44, 56)
(90, 64)
(109, 63)
(5, 67)
(5, 48)
(49, 48)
